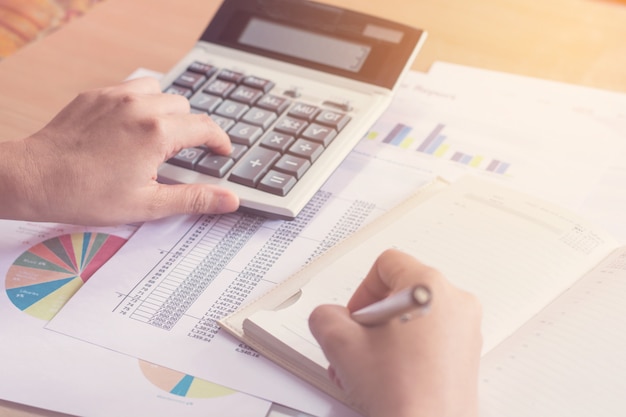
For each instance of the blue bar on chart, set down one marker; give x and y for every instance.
(434, 145)
(432, 139)
(397, 134)
(498, 167)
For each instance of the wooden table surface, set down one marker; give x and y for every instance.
(574, 41)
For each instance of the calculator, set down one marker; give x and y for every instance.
(295, 84)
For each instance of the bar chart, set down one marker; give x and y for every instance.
(432, 139)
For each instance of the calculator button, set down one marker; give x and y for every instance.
(274, 103)
(303, 111)
(259, 117)
(320, 134)
(246, 95)
(206, 102)
(219, 88)
(251, 168)
(215, 165)
(277, 183)
(306, 149)
(187, 158)
(223, 122)
(260, 83)
(231, 109)
(292, 165)
(244, 133)
(191, 80)
(238, 150)
(232, 76)
(333, 118)
(290, 125)
(278, 141)
(202, 68)
(181, 91)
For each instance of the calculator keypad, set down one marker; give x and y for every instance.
(275, 138)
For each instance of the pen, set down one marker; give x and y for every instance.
(414, 298)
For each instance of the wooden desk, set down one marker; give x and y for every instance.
(575, 41)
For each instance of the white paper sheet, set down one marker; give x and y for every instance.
(569, 360)
(605, 201)
(51, 371)
(208, 266)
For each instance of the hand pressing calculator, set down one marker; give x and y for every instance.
(295, 84)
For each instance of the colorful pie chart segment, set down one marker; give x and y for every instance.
(42, 279)
(181, 384)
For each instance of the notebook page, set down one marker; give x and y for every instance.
(514, 252)
(569, 360)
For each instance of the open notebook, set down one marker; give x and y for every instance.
(518, 254)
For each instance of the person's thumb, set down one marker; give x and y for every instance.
(192, 199)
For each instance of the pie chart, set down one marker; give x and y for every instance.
(43, 278)
(181, 384)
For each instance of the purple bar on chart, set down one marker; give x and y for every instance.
(397, 131)
(404, 132)
(502, 168)
(435, 144)
(457, 156)
(493, 165)
(430, 138)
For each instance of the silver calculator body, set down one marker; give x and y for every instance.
(296, 84)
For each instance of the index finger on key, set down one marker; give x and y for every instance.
(199, 129)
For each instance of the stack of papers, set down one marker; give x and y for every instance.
(140, 336)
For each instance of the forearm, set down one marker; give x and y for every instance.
(17, 182)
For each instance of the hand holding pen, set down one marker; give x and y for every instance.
(404, 305)
(389, 366)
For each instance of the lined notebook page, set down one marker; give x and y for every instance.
(514, 252)
(568, 361)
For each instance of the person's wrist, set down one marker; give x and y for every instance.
(21, 182)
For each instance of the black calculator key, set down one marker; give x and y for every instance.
(187, 158)
(277, 183)
(333, 118)
(223, 122)
(251, 168)
(246, 95)
(215, 165)
(303, 111)
(191, 80)
(260, 83)
(244, 133)
(205, 102)
(320, 134)
(219, 88)
(292, 165)
(274, 103)
(181, 91)
(259, 117)
(231, 109)
(232, 76)
(307, 149)
(237, 151)
(278, 141)
(202, 68)
(290, 125)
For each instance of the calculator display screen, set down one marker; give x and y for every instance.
(306, 45)
(317, 36)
